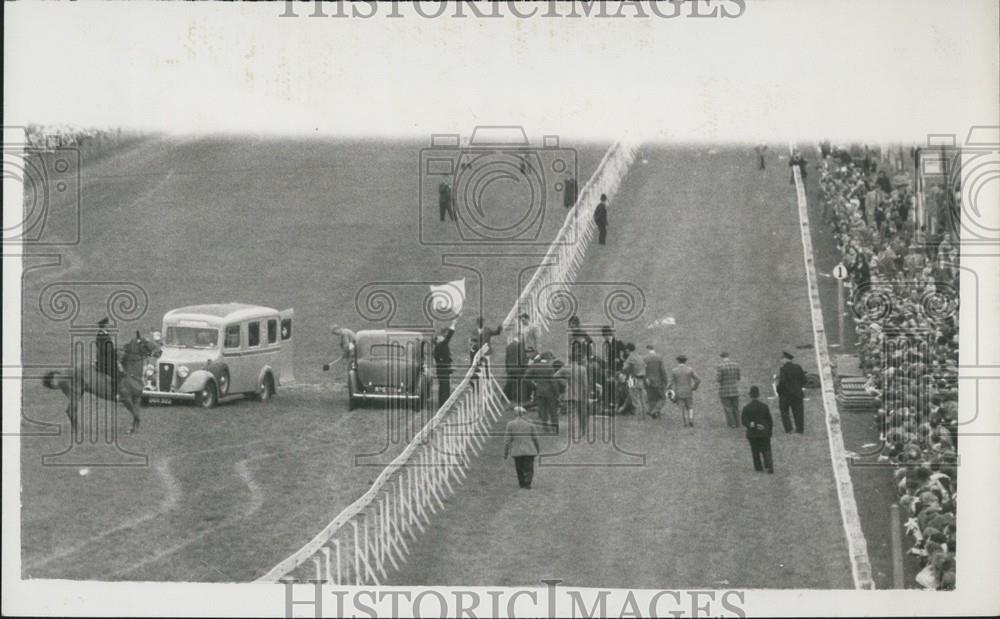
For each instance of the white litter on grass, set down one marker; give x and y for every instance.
(84, 472)
(662, 322)
(645, 161)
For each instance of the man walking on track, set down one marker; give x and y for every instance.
(601, 219)
(791, 381)
(635, 369)
(728, 377)
(684, 382)
(757, 419)
(656, 381)
(522, 443)
(760, 149)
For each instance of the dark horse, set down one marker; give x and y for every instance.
(125, 388)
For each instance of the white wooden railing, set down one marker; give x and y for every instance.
(369, 537)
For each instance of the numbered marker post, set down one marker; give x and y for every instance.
(840, 272)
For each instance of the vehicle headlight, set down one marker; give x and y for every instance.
(150, 370)
(183, 371)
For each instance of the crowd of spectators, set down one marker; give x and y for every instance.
(903, 277)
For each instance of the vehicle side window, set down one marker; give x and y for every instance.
(286, 328)
(232, 336)
(253, 334)
(272, 331)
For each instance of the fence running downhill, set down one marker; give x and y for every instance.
(369, 537)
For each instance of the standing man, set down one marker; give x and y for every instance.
(656, 381)
(442, 361)
(791, 381)
(569, 191)
(528, 333)
(757, 419)
(545, 385)
(601, 219)
(522, 443)
(635, 370)
(797, 160)
(515, 365)
(684, 382)
(482, 336)
(344, 340)
(760, 149)
(446, 202)
(107, 357)
(728, 376)
(578, 391)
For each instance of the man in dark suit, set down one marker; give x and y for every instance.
(515, 364)
(569, 192)
(791, 381)
(756, 418)
(601, 219)
(446, 201)
(541, 375)
(442, 361)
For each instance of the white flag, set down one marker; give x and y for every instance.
(448, 299)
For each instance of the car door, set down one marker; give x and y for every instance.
(284, 361)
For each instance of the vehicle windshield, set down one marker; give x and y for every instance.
(191, 337)
(387, 350)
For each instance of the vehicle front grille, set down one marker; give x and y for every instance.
(166, 376)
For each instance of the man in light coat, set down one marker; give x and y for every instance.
(656, 381)
(522, 443)
(684, 382)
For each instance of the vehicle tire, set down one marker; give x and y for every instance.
(224, 383)
(265, 389)
(143, 401)
(208, 397)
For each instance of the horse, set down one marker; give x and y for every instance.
(126, 387)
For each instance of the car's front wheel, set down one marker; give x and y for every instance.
(208, 397)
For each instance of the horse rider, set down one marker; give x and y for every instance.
(107, 357)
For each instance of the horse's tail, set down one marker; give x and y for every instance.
(50, 380)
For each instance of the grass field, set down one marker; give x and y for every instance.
(279, 222)
(714, 243)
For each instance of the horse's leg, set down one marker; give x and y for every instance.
(71, 413)
(128, 399)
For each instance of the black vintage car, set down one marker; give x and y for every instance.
(390, 365)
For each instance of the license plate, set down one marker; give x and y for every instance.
(164, 401)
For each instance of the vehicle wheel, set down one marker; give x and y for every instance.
(224, 383)
(207, 397)
(265, 389)
(144, 401)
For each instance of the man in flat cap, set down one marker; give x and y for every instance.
(684, 382)
(791, 381)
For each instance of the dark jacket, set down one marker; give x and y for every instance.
(756, 418)
(106, 356)
(482, 337)
(542, 376)
(601, 215)
(516, 357)
(791, 380)
(442, 353)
